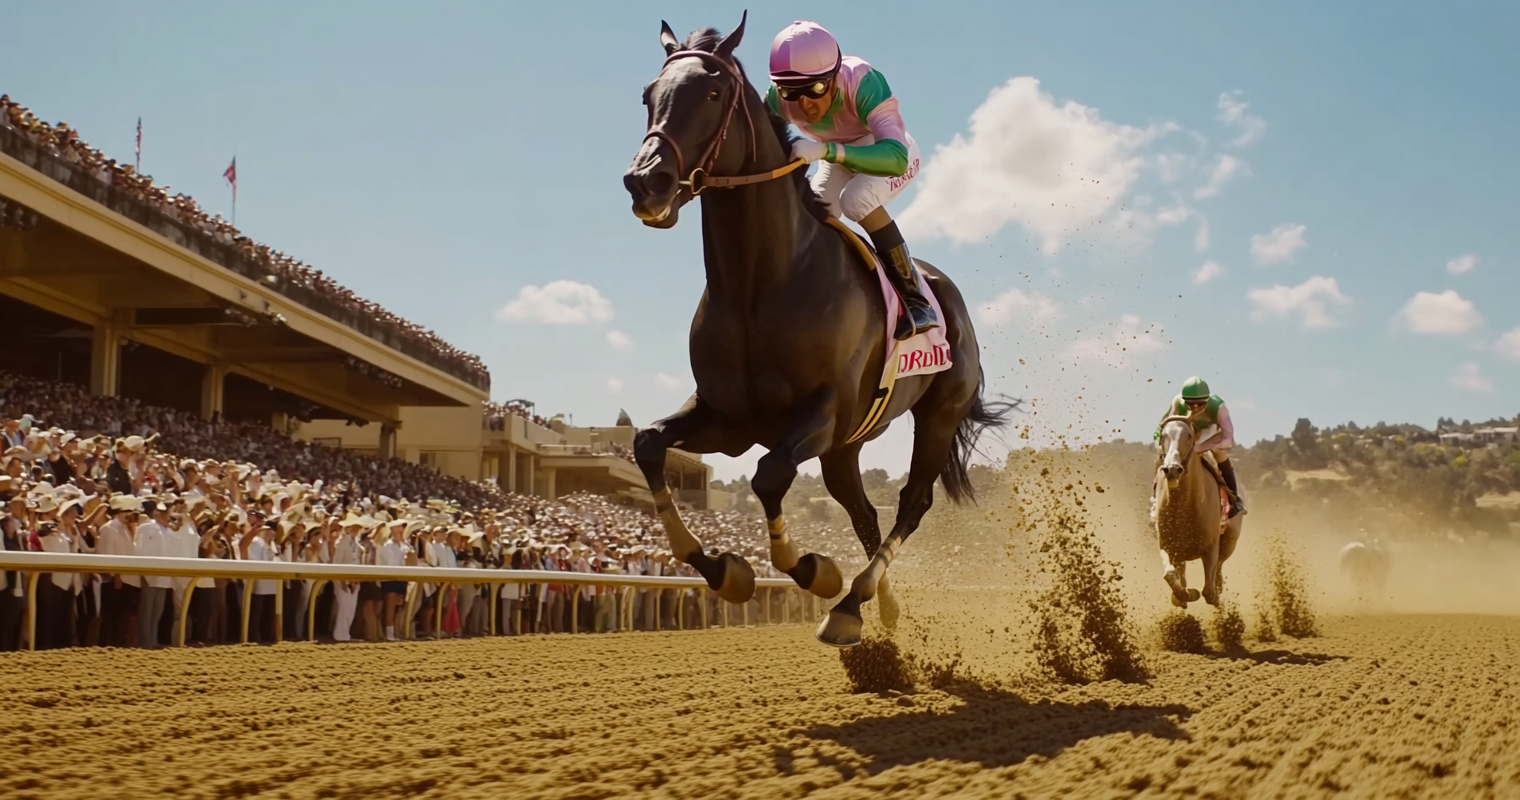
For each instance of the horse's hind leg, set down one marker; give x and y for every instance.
(773, 477)
(933, 436)
(841, 476)
(696, 429)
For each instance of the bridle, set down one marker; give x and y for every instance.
(700, 176)
(1192, 438)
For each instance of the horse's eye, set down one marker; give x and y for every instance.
(713, 95)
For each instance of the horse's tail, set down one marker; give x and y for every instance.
(983, 415)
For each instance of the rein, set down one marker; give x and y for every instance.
(700, 178)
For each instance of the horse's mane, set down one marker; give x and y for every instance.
(707, 40)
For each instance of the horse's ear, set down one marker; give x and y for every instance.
(730, 42)
(668, 38)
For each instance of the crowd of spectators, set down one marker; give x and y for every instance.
(496, 415)
(284, 273)
(94, 475)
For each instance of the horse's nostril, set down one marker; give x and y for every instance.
(660, 184)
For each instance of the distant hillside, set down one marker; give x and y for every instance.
(1461, 478)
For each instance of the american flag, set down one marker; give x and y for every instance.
(231, 176)
(138, 166)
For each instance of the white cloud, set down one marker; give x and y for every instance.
(1279, 245)
(1127, 338)
(1054, 168)
(1235, 113)
(1312, 302)
(614, 385)
(1462, 265)
(1201, 239)
(619, 341)
(1444, 314)
(1470, 378)
(1209, 271)
(1016, 304)
(669, 383)
(1225, 169)
(558, 303)
(1509, 345)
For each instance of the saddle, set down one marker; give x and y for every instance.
(1226, 499)
(924, 354)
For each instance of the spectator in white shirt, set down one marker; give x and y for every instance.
(393, 554)
(260, 546)
(346, 550)
(153, 541)
(55, 596)
(184, 542)
(120, 596)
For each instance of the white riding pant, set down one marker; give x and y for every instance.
(851, 195)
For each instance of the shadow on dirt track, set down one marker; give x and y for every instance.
(1279, 657)
(994, 728)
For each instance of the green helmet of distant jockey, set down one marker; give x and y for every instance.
(1195, 388)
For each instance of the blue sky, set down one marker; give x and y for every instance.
(442, 159)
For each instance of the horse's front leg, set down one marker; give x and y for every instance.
(1211, 573)
(1174, 572)
(809, 437)
(695, 428)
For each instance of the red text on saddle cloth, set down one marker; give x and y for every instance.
(924, 354)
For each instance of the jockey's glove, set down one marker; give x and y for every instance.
(809, 150)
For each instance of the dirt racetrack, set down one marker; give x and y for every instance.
(1387, 707)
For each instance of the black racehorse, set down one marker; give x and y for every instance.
(788, 343)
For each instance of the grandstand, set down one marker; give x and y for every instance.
(108, 282)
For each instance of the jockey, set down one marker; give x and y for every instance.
(850, 123)
(1207, 411)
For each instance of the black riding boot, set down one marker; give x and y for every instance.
(1227, 471)
(894, 254)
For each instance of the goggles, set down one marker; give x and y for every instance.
(815, 90)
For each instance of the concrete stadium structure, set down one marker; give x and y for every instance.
(101, 289)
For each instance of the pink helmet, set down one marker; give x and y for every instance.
(803, 51)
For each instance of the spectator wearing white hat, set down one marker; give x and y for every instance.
(393, 554)
(55, 596)
(154, 540)
(120, 594)
(259, 545)
(346, 550)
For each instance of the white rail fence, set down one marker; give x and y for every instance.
(35, 565)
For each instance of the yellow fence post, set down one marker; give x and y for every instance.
(279, 611)
(31, 610)
(184, 612)
(247, 606)
(311, 608)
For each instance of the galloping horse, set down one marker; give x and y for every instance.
(1188, 515)
(787, 345)
(1365, 563)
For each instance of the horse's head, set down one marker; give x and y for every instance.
(691, 105)
(1176, 448)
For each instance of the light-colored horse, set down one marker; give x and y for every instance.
(1187, 515)
(1365, 564)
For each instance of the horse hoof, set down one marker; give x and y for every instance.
(818, 574)
(738, 579)
(841, 629)
(1180, 592)
(1192, 595)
